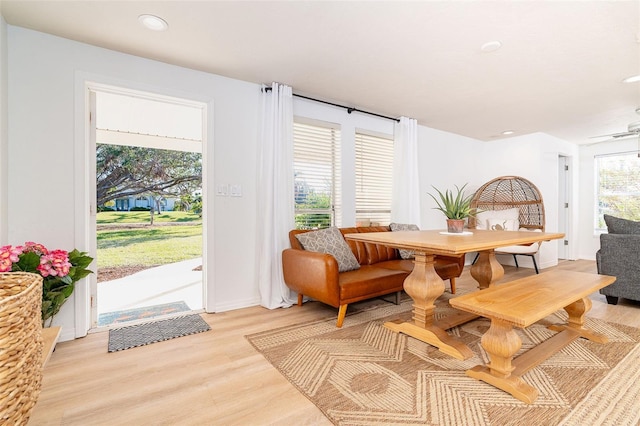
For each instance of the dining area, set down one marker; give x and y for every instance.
(424, 285)
(519, 303)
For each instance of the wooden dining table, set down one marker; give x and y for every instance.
(424, 285)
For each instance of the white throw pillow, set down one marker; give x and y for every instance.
(330, 241)
(503, 224)
(483, 217)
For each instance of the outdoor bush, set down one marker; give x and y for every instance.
(196, 208)
(139, 209)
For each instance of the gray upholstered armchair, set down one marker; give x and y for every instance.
(619, 255)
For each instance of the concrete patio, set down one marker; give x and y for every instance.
(174, 282)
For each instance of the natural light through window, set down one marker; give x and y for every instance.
(617, 187)
(374, 175)
(316, 165)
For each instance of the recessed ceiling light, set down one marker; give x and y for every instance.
(153, 22)
(491, 46)
(631, 79)
(508, 132)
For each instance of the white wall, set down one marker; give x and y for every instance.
(444, 160)
(589, 240)
(3, 132)
(42, 78)
(454, 160)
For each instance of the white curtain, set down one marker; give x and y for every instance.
(275, 216)
(405, 204)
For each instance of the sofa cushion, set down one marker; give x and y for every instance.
(617, 225)
(405, 254)
(370, 281)
(330, 241)
(482, 218)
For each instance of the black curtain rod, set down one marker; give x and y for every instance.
(349, 109)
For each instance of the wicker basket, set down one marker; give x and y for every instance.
(20, 345)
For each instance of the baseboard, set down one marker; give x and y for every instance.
(67, 334)
(236, 304)
(545, 265)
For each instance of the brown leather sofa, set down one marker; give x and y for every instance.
(382, 271)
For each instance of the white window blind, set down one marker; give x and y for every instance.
(316, 158)
(374, 174)
(618, 187)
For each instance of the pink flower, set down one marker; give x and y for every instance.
(36, 248)
(55, 263)
(9, 255)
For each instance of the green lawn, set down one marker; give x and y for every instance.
(145, 217)
(148, 245)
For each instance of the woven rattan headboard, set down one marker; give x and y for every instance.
(507, 192)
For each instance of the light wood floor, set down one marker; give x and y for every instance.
(212, 378)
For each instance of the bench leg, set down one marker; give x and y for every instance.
(501, 342)
(577, 312)
(342, 312)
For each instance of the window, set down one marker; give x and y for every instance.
(316, 167)
(374, 176)
(618, 187)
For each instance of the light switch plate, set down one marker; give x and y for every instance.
(236, 190)
(222, 190)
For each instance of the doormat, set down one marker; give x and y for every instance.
(158, 331)
(146, 312)
(366, 374)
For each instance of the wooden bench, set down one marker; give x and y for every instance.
(521, 303)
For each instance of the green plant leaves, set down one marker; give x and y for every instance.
(56, 290)
(28, 263)
(454, 207)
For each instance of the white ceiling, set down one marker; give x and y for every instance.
(559, 70)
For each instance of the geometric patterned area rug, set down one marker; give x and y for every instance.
(158, 331)
(146, 312)
(365, 374)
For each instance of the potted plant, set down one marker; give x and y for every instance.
(60, 270)
(455, 207)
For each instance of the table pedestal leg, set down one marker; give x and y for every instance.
(487, 269)
(501, 343)
(424, 286)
